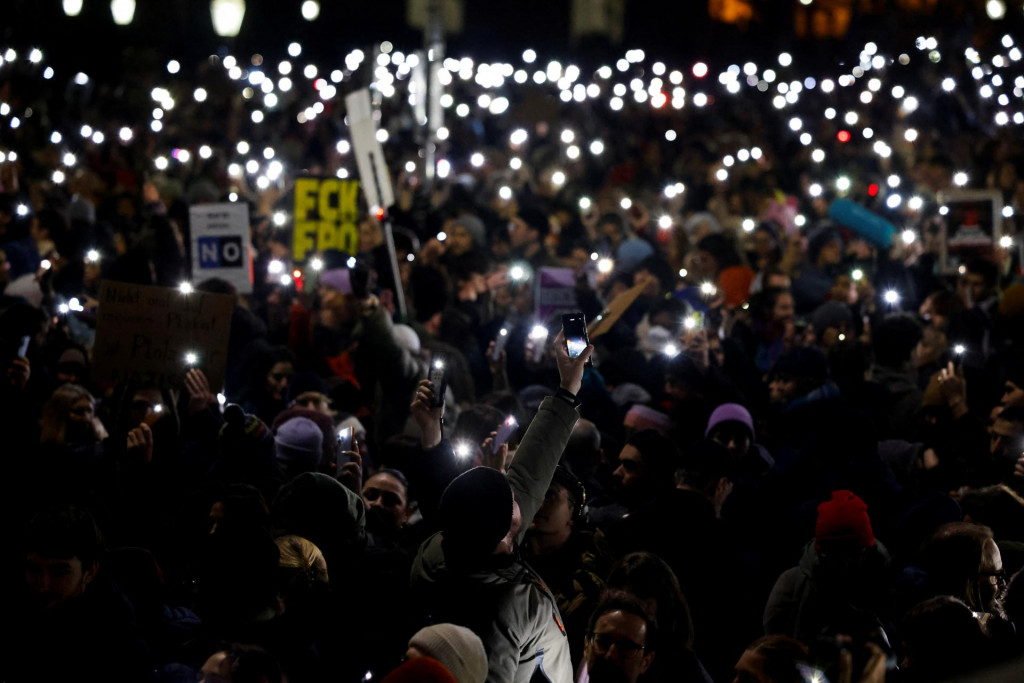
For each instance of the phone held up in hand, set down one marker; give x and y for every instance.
(499, 344)
(505, 432)
(438, 375)
(346, 443)
(574, 329)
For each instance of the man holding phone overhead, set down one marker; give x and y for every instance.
(470, 573)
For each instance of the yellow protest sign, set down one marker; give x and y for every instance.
(326, 216)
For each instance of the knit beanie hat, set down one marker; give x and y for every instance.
(641, 417)
(730, 412)
(831, 314)
(420, 670)
(298, 445)
(735, 282)
(460, 650)
(844, 517)
(474, 226)
(476, 513)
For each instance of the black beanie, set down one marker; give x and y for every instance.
(476, 512)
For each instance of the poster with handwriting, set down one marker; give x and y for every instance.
(152, 335)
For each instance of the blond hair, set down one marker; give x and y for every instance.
(53, 422)
(302, 555)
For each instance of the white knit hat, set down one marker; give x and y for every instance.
(460, 650)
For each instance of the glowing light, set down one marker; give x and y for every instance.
(310, 10)
(908, 237)
(665, 222)
(185, 287)
(605, 265)
(123, 11)
(891, 297)
(1005, 241)
(960, 178)
(700, 70)
(842, 183)
(749, 224)
(191, 358)
(596, 147)
(585, 203)
(708, 289)
(227, 16)
(477, 159)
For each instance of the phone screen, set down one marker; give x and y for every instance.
(23, 347)
(499, 344)
(505, 432)
(574, 328)
(437, 374)
(345, 439)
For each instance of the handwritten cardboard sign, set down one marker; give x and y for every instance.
(144, 334)
(326, 216)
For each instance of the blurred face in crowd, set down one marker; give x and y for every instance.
(1006, 439)
(782, 389)
(841, 289)
(630, 471)
(991, 580)
(82, 412)
(974, 285)
(54, 580)
(930, 348)
(783, 309)
(616, 650)
(386, 502)
(1013, 395)
(460, 241)
(830, 254)
(370, 235)
(520, 234)
(780, 280)
(763, 243)
(277, 379)
(734, 436)
(555, 514)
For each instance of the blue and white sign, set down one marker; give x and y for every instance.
(220, 244)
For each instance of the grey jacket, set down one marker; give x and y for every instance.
(509, 606)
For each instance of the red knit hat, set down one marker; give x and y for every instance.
(420, 670)
(845, 516)
(735, 282)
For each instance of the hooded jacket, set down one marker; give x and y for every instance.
(506, 602)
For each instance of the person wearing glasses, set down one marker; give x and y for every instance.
(619, 643)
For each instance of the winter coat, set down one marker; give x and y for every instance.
(507, 603)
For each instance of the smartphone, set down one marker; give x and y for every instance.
(23, 347)
(574, 328)
(505, 432)
(346, 442)
(438, 374)
(499, 344)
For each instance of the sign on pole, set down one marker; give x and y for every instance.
(326, 216)
(221, 246)
(369, 155)
(152, 335)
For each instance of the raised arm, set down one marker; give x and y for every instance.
(535, 461)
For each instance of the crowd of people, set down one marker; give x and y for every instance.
(793, 454)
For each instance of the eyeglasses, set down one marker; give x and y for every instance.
(603, 642)
(388, 498)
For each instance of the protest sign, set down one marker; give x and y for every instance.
(326, 216)
(221, 246)
(971, 225)
(556, 292)
(610, 315)
(373, 170)
(145, 334)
